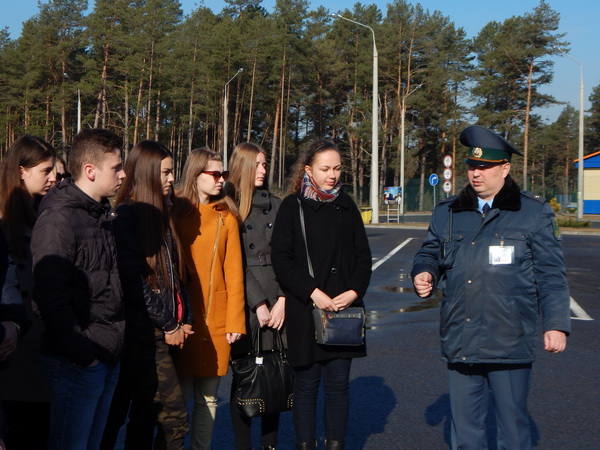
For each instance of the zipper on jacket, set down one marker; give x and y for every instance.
(212, 269)
(171, 276)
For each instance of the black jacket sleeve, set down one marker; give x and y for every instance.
(137, 293)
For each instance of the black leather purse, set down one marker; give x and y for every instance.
(345, 327)
(264, 379)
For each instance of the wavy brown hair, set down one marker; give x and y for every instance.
(152, 215)
(240, 185)
(306, 158)
(18, 207)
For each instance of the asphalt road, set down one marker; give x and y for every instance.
(399, 395)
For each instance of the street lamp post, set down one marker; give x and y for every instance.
(402, 114)
(225, 114)
(580, 155)
(374, 127)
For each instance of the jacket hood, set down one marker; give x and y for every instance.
(508, 199)
(68, 195)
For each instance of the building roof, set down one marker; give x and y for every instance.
(591, 161)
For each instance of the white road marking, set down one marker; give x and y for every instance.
(390, 254)
(578, 312)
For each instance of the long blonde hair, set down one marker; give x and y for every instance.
(240, 186)
(196, 162)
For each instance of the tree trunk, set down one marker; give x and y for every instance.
(526, 130)
(250, 110)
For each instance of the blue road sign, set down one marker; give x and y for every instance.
(433, 179)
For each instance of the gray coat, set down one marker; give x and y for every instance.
(260, 282)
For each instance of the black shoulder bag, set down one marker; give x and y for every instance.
(345, 327)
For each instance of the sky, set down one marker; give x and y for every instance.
(579, 19)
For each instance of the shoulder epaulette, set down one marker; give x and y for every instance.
(538, 197)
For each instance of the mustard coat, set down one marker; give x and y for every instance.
(211, 245)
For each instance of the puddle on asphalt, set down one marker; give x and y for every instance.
(373, 316)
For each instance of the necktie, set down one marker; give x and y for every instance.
(485, 209)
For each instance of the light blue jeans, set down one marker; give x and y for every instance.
(81, 398)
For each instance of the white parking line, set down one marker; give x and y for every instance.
(390, 254)
(578, 312)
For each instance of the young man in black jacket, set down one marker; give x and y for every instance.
(78, 292)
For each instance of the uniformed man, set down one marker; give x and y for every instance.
(496, 253)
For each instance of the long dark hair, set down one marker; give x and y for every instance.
(152, 215)
(18, 207)
(306, 158)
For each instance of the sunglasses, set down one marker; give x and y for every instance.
(62, 176)
(217, 175)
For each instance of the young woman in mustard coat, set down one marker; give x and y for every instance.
(208, 227)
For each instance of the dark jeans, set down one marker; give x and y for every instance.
(81, 399)
(336, 375)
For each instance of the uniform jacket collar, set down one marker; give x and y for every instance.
(508, 199)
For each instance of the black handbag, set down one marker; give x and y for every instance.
(345, 327)
(264, 379)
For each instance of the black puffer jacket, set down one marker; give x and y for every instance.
(76, 279)
(146, 308)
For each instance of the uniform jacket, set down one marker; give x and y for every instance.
(341, 259)
(489, 312)
(211, 244)
(76, 279)
(146, 308)
(260, 282)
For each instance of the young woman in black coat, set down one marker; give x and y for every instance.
(157, 313)
(341, 259)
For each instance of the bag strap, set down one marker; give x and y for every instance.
(310, 268)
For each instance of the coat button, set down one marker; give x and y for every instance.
(265, 211)
(264, 194)
(333, 270)
(251, 246)
(464, 358)
(468, 319)
(269, 225)
(469, 281)
(336, 207)
(249, 226)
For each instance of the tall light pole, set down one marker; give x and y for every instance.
(402, 114)
(225, 114)
(374, 127)
(580, 155)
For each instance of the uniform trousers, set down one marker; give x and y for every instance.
(470, 385)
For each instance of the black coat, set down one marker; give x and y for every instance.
(341, 259)
(146, 308)
(76, 279)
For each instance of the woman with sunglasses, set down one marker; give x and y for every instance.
(157, 313)
(320, 220)
(26, 176)
(265, 303)
(207, 224)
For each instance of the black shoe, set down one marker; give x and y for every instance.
(333, 445)
(306, 445)
(268, 447)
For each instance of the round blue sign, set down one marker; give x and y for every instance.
(433, 179)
